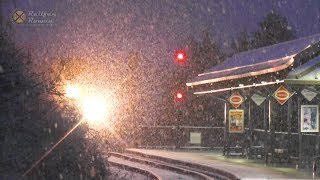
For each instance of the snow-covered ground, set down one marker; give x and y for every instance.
(243, 169)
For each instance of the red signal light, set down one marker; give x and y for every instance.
(179, 96)
(180, 56)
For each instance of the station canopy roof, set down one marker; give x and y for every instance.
(306, 74)
(255, 62)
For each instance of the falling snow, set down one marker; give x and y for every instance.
(81, 79)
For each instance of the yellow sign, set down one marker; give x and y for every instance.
(236, 121)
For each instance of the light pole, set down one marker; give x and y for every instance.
(93, 109)
(35, 164)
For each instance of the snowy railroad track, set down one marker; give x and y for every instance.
(130, 168)
(212, 172)
(158, 173)
(160, 169)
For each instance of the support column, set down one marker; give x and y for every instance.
(250, 129)
(289, 123)
(271, 127)
(300, 134)
(265, 126)
(226, 149)
(318, 143)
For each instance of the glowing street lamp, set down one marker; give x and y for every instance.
(94, 108)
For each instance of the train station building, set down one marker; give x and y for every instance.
(270, 101)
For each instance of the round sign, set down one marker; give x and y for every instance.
(19, 16)
(282, 95)
(236, 99)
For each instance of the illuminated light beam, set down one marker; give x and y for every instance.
(94, 106)
(95, 109)
(50, 150)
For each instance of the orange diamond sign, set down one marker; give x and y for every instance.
(282, 95)
(236, 99)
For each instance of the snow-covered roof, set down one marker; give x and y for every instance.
(306, 74)
(256, 62)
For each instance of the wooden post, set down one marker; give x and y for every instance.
(300, 134)
(265, 126)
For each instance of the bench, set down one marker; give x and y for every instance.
(257, 151)
(281, 154)
(235, 151)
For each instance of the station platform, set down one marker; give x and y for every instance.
(241, 167)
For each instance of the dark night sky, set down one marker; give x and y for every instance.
(162, 24)
(155, 28)
(107, 30)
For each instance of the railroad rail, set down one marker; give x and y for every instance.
(192, 171)
(149, 174)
